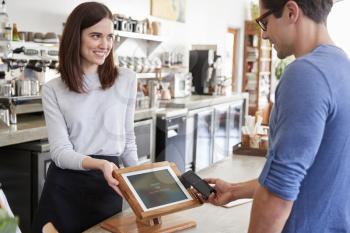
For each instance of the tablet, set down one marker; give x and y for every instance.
(156, 188)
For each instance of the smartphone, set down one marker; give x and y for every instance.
(198, 183)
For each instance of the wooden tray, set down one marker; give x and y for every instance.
(249, 151)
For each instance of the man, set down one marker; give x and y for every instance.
(305, 184)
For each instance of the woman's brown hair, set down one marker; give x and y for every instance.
(83, 16)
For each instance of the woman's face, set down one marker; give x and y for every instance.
(96, 44)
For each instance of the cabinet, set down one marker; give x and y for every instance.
(220, 150)
(212, 132)
(235, 124)
(227, 129)
(23, 172)
(257, 65)
(203, 139)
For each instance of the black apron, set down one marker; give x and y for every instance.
(74, 201)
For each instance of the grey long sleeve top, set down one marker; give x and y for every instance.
(99, 122)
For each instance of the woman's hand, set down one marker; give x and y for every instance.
(107, 170)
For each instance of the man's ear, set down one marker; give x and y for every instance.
(293, 11)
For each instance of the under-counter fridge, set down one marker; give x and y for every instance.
(213, 132)
(23, 170)
(171, 138)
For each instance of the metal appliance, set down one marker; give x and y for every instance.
(171, 137)
(202, 69)
(180, 84)
(144, 133)
(19, 105)
(23, 170)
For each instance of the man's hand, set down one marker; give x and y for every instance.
(227, 192)
(223, 193)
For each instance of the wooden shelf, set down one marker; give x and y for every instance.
(261, 69)
(265, 48)
(264, 73)
(252, 47)
(252, 60)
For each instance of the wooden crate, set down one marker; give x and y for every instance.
(249, 151)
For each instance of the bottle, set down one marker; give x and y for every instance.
(3, 20)
(15, 35)
(7, 33)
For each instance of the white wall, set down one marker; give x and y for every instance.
(206, 21)
(337, 25)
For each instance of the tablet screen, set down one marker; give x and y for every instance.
(157, 187)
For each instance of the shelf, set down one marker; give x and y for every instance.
(20, 98)
(154, 41)
(151, 75)
(258, 70)
(29, 108)
(265, 73)
(252, 60)
(139, 36)
(146, 75)
(174, 68)
(251, 73)
(252, 47)
(28, 44)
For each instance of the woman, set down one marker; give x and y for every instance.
(89, 114)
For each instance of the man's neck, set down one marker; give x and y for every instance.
(310, 36)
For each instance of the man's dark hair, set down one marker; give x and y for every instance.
(316, 10)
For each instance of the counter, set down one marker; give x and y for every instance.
(29, 128)
(211, 218)
(201, 101)
(32, 127)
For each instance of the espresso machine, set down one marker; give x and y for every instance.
(24, 66)
(202, 69)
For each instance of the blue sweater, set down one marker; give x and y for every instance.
(309, 156)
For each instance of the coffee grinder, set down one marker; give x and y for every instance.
(202, 69)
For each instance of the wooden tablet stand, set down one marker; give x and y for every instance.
(164, 219)
(130, 224)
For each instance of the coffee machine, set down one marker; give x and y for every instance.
(202, 69)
